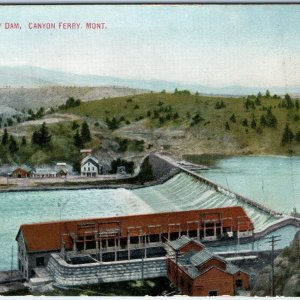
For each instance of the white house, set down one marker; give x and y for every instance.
(90, 167)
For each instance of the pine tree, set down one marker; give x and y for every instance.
(78, 140)
(5, 137)
(287, 136)
(23, 142)
(85, 132)
(13, 146)
(41, 137)
(227, 127)
(233, 118)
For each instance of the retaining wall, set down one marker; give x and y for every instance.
(162, 168)
(71, 275)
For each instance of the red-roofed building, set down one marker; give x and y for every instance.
(123, 233)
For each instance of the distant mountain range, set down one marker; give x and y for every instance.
(28, 76)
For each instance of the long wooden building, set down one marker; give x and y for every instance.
(37, 241)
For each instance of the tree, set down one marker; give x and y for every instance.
(298, 136)
(129, 165)
(287, 136)
(5, 137)
(297, 104)
(288, 101)
(23, 142)
(263, 121)
(245, 123)
(75, 125)
(41, 137)
(253, 123)
(233, 118)
(85, 132)
(13, 146)
(268, 95)
(78, 140)
(227, 127)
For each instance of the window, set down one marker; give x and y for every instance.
(84, 168)
(213, 293)
(40, 261)
(88, 168)
(239, 283)
(189, 288)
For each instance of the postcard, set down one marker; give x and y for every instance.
(149, 150)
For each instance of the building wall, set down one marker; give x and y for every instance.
(211, 263)
(245, 279)
(214, 280)
(93, 169)
(72, 275)
(32, 260)
(160, 167)
(22, 256)
(20, 173)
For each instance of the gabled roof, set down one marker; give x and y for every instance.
(22, 167)
(91, 159)
(203, 256)
(183, 241)
(233, 269)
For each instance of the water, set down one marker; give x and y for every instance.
(285, 236)
(182, 192)
(273, 181)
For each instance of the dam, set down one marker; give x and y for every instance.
(177, 190)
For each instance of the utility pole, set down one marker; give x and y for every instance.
(12, 261)
(272, 241)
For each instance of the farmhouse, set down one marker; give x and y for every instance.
(196, 271)
(101, 242)
(90, 166)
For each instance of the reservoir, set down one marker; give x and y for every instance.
(273, 181)
(181, 192)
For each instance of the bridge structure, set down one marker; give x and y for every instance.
(164, 168)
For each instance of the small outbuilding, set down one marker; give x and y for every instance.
(196, 271)
(21, 172)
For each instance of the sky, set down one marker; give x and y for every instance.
(213, 45)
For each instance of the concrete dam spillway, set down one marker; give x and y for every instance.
(183, 192)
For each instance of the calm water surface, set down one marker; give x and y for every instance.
(271, 180)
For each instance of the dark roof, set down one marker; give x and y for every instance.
(183, 241)
(192, 260)
(203, 256)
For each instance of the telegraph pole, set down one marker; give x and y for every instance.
(272, 241)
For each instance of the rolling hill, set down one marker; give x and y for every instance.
(177, 124)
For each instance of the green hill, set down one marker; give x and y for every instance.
(204, 124)
(178, 123)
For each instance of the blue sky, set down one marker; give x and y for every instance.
(203, 44)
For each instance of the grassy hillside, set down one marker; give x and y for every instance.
(177, 123)
(200, 122)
